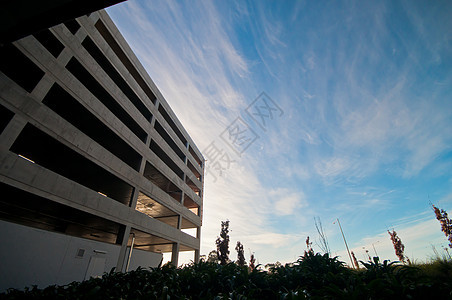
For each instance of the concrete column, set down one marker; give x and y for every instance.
(175, 254)
(197, 251)
(151, 130)
(152, 121)
(196, 259)
(176, 245)
(133, 201)
(12, 131)
(43, 87)
(187, 147)
(179, 222)
(143, 159)
(148, 142)
(123, 239)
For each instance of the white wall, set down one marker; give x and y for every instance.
(30, 256)
(143, 258)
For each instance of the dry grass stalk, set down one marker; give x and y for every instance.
(308, 243)
(446, 223)
(398, 246)
(323, 241)
(355, 261)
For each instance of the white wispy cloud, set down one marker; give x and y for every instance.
(446, 200)
(355, 111)
(332, 166)
(201, 75)
(197, 69)
(418, 238)
(287, 203)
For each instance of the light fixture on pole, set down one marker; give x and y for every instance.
(367, 253)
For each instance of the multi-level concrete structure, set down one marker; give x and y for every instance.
(93, 162)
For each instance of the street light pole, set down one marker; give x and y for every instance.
(374, 248)
(343, 236)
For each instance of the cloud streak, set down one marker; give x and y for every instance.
(366, 133)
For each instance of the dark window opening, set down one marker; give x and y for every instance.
(192, 152)
(72, 25)
(18, 67)
(194, 171)
(162, 132)
(50, 42)
(191, 205)
(75, 113)
(5, 116)
(166, 159)
(154, 209)
(21, 207)
(100, 58)
(172, 124)
(57, 157)
(160, 180)
(193, 186)
(190, 228)
(152, 243)
(124, 59)
(100, 93)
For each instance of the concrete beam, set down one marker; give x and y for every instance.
(19, 18)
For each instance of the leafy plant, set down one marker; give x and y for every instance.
(213, 257)
(240, 254)
(223, 243)
(312, 276)
(252, 262)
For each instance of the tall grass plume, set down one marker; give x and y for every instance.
(399, 247)
(446, 223)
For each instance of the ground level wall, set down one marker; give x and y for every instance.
(31, 256)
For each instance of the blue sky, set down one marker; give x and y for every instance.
(358, 122)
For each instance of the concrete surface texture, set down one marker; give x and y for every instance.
(91, 156)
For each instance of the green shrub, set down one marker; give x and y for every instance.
(312, 276)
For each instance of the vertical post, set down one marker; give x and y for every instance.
(175, 254)
(197, 256)
(197, 251)
(374, 248)
(343, 236)
(176, 245)
(130, 252)
(123, 239)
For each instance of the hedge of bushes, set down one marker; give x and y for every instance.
(313, 276)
